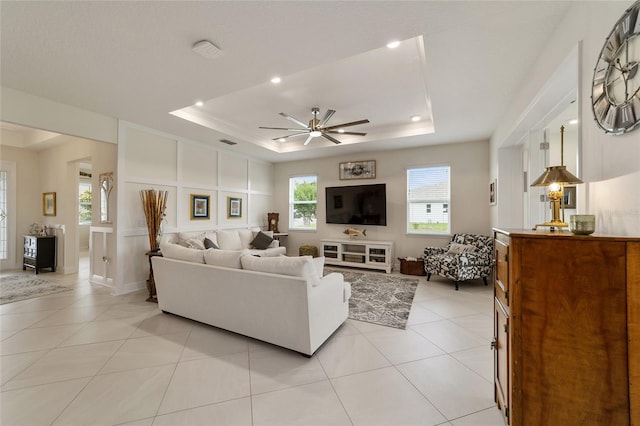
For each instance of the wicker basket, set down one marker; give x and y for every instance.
(412, 267)
(308, 250)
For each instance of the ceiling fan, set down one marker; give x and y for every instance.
(317, 127)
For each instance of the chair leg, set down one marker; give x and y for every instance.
(485, 280)
(428, 275)
(457, 282)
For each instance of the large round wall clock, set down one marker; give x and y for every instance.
(615, 96)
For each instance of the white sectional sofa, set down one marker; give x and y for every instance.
(281, 300)
(228, 239)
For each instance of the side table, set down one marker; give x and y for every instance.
(151, 283)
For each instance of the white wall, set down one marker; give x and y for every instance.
(28, 197)
(148, 159)
(610, 164)
(469, 193)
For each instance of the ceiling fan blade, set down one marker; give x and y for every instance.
(353, 123)
(280, 128)
(331, 138)
(347, 133)
(308, 140)
(298, 122)
(326, 117)
(291, 136)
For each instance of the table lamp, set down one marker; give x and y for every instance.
(555, 178)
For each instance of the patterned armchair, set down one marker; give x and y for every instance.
(466, 257)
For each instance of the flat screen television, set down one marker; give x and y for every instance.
(357, 204)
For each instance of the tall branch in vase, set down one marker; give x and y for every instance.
(154, 204)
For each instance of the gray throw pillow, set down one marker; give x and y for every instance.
(210, 244)
(261, 241)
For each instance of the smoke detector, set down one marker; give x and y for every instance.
(206, 49)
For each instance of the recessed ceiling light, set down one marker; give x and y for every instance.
(276, 80)
(199, 103)
(415, 118)
(393, 44)
(281, 140)
(573, 121)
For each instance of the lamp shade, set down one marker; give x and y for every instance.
(556, 174)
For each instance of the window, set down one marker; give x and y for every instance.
(303, 195)
(84, 202)
(428, 200)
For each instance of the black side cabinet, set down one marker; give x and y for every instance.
(39, 252)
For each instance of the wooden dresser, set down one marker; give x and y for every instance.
(567, 328)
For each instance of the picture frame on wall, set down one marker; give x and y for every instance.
(234, 207)
(493, 192)
(199, 207)
(570, 201)
(48, 203)
(358, 170)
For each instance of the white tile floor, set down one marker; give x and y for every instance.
(85, 357)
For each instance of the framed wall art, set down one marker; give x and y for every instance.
(358, 170)
(570, 197)
(48, 203)
(234, 207)
(199, 207)
(493, 187)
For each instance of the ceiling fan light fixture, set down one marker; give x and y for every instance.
(340, 130)
(315, 133)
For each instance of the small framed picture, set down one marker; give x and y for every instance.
(48, 203)
(493, 188)
(358, 170)
(234, 207)
(199, 207)
(569, 197)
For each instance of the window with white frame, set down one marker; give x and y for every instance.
(303, 196)
(428, 200)
(84, 201)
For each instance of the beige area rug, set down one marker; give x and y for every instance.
(379, 298)
(23, 286)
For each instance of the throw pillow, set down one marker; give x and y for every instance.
(456, 248)
(229, 240)
(208, 244)
(261, 241)
(195, 243)
(176, 251)
(225, 258)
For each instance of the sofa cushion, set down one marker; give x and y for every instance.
(261, 241)
(230, 240)
(208, 244)
(225, 258)
(294, 266)
(176, 251)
